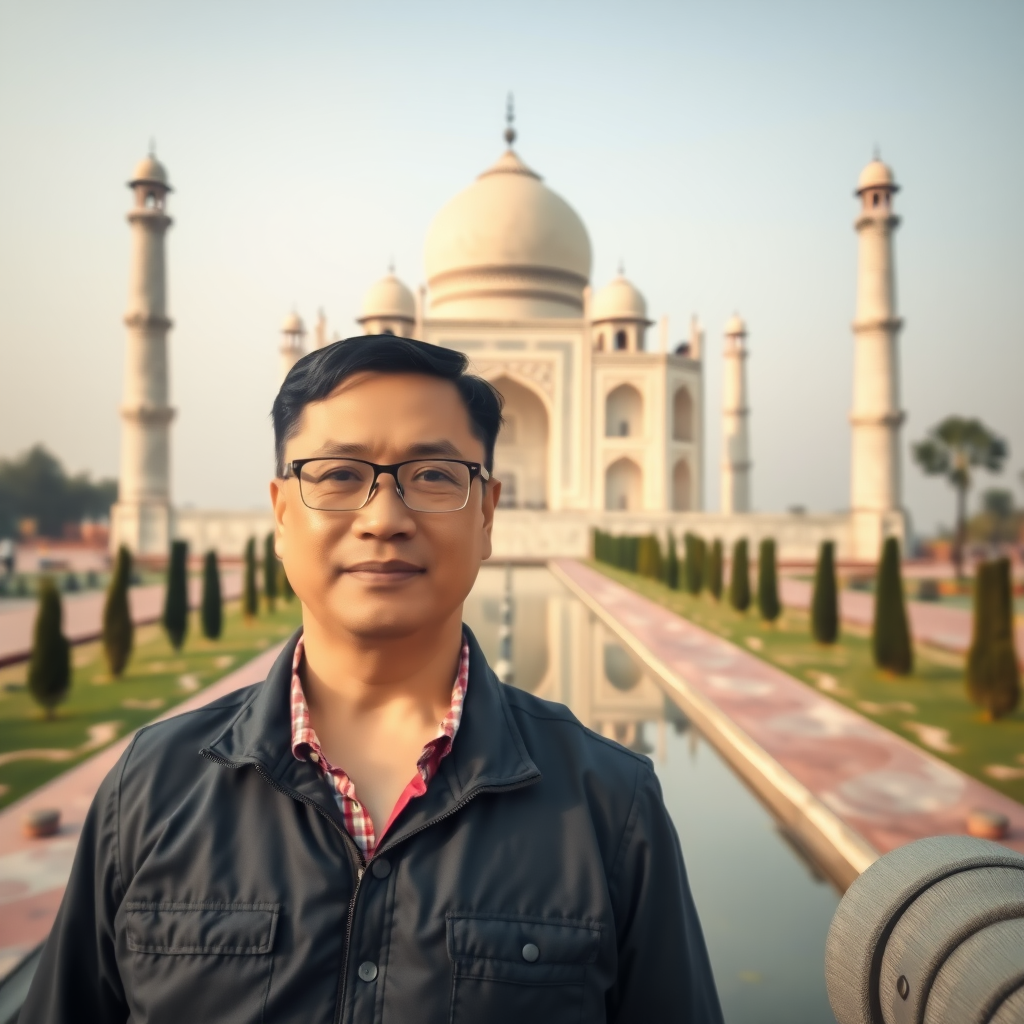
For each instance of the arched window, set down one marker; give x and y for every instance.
(620, 341)
(624, 412)
(623, 486)
(150, 201)
(874, 199)
(682, 498)
(682, 415)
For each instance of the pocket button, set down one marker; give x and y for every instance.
(381, 868)
(367, 971)
(530, 953)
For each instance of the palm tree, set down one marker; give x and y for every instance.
(952, 449)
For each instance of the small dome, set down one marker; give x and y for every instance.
(388, 298)
(150, 169)
(619, 300)
(736, 325)
(293, 324)
(876, 175)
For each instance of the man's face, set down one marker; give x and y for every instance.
(384, 570)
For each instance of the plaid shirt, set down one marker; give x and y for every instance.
(306, 747)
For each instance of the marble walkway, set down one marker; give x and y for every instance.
(885, 789)
(33, 872)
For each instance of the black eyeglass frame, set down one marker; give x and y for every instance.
(294, 469)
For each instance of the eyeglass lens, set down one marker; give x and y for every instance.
(343, 485)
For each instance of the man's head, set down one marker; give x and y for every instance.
(383, 569)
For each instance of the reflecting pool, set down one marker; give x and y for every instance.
(764, 908)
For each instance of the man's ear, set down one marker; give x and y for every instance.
(279, 502)
(489, 502)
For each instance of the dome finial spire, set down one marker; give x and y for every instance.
(878, 152)
(510, 116)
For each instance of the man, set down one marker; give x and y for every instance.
(319, 848)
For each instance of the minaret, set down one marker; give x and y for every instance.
(735, 421)
(875, 495)
(142, 518)
(293, 336)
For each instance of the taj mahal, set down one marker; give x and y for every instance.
(604, 417)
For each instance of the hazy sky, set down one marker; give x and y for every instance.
(714, 147)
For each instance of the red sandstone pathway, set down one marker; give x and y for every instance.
(883, 787)
(34, 872)
(935, 624)
(83, 614)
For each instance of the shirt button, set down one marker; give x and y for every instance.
(381, 868)
(367, 971)
(530, 953)
(314, 756)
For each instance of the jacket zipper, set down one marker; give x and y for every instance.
(351, 846)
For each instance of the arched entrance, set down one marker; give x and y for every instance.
(623, 486)
(682, 497)
(521, 454)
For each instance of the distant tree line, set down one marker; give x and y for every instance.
(35, 486)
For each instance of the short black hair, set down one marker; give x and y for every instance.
(318, 373)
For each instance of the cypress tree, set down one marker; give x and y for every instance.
(694, 563)
(672, 563)
(176, 595)
(993, 675)
(893, 649)
(269, 571)
(118, 629)
(49, 667)
(212, 608)
(768, 601)
(250, 592)
(825, 602)
(714, 572)
(739, 578)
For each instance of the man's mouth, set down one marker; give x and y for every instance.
(393, 570)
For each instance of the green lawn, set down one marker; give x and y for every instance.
(930, 708)
(98, 709)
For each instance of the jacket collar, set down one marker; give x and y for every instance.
(488, 754)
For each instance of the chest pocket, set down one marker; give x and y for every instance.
(505, 969)
(198, 961)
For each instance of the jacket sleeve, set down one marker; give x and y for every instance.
(664, 973)
(78, 979)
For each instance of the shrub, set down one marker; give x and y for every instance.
(739, 577)
(993, 676)
(49, 667)
(893, 649)
(672, 563)
(649, 557)
(768, 602)
(118, 629)
(269, 571)
(250, 592)
(176, 595)
(825, 601)
(714, 573)
(694, 562)
(212, 608)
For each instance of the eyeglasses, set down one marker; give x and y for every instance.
(345, 485)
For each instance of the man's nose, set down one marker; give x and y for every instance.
(385, 511)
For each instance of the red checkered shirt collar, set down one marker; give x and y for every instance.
(306, 747)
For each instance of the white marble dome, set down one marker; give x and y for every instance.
(507, 247)
(293, 324)
(735, 325)
(876, 175)
(150, 170)
(619, 300)
(388, 298)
